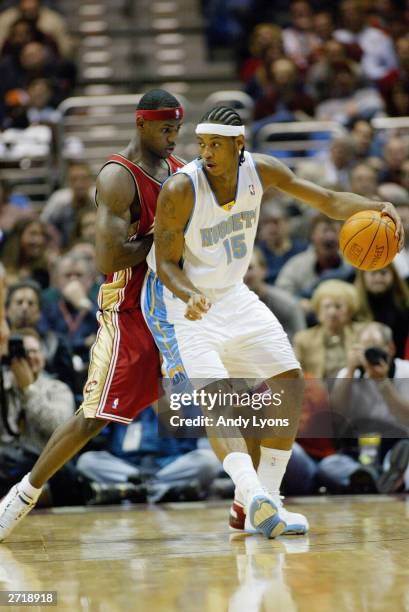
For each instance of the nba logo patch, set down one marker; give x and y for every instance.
(252, 190)
(115, 403)
(177, 113)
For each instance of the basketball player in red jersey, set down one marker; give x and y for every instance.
(124, 362)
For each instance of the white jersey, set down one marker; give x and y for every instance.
(219, 243)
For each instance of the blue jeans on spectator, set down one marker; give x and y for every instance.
(201, 465)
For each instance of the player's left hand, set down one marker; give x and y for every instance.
(197, 306)
(390, 210)
(377, 372)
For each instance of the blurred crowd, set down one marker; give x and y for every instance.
(36, 64)
(340, 60)
(347, 61)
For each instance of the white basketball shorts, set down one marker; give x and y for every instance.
(239, 337)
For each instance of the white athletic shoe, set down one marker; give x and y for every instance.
(263, 516)
(13, 508)
(297, 524)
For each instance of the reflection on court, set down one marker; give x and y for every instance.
(181, 557)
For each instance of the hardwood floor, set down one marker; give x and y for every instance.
(181, 557)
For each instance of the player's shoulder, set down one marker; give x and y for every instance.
(271, 170)
(181, 182)
(115, 179)
(262, 160)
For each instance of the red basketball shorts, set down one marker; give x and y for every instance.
(124, 370)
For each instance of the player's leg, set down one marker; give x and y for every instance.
(190, 351)
(116, 359)
(260, 349)
(64, 443)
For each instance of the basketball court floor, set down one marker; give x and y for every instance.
(180, 557)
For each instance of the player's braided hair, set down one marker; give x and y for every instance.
(227, 116)
(157, 98)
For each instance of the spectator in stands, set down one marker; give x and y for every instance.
(321, 74)
(84, 249)
(324, 26)
(384, 297)
(23, 31)
(24, 253)
(322, 350)
(173, 467)
(84, 229)
(398, 74)
(397, 103)
(64, 205)
(365, 143)
(274, 239)
(37, 62)
(265, 45)
(312, 445)
(395, 152)
(23, 308)
(386, 15)
(321, 261)
(369, 398)
(280, 302)
(364, 181)
(10, 212)
(333, 168)
(35, 406)
(349, 98)
(378, 52)
(300, 39)
(45, 19)
(261, 80)
(72, 312)
(39, 105)
(284, 97)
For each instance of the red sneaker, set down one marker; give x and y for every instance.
(237, 516)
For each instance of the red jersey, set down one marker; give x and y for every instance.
(121, 290)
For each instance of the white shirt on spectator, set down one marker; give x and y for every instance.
(378, 52)
(401, 263)
(365, 101)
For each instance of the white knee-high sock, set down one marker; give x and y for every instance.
(272, 467)
(239, 467)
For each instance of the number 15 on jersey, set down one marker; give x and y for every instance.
(235, 247)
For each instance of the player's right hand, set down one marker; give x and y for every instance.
(197, 306)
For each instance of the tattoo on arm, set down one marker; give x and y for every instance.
(174, 208)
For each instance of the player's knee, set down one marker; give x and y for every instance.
(89, 427)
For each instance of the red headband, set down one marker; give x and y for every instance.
(161, 114)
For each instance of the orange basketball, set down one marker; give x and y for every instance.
(367, 240)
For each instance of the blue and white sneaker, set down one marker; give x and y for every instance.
(263, 516)
(296, 524)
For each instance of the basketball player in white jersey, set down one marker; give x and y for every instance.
(207, 323)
